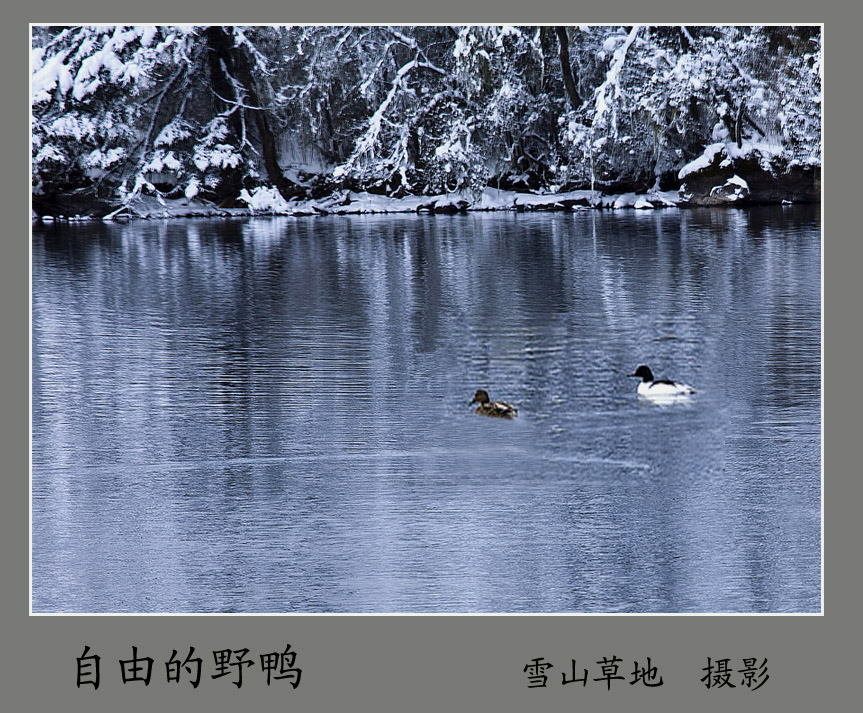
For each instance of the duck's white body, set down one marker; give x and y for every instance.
(659, 388)
(664, 389)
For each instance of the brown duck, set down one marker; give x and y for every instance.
(487, 407)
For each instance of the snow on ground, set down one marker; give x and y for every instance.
(702, 162)
(762, 150)
(491, 199)
(734, 189)
(268, 201)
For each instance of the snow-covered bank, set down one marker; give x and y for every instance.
(267, 201)
(491, 199)
(728, 174)
(714, 190)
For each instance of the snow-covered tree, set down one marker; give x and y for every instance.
(92, 91)
(212, 111)
(401, 89)
(502, 72)
(667, 92)
(120, 110)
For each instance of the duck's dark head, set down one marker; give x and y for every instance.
(480, 397)
(643, 372)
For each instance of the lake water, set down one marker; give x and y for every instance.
(271, 415)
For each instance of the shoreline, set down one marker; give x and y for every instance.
(266, 202)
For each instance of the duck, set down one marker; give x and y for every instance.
(659, 388)
(487, 407)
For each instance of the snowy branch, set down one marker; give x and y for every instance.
(612, 79)
(367, 141)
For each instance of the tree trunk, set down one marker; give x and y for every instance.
(738, 124)
(236, 60)
(566, 70)
(220, 46)
(265, 132)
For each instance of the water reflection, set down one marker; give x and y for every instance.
(270, 415)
